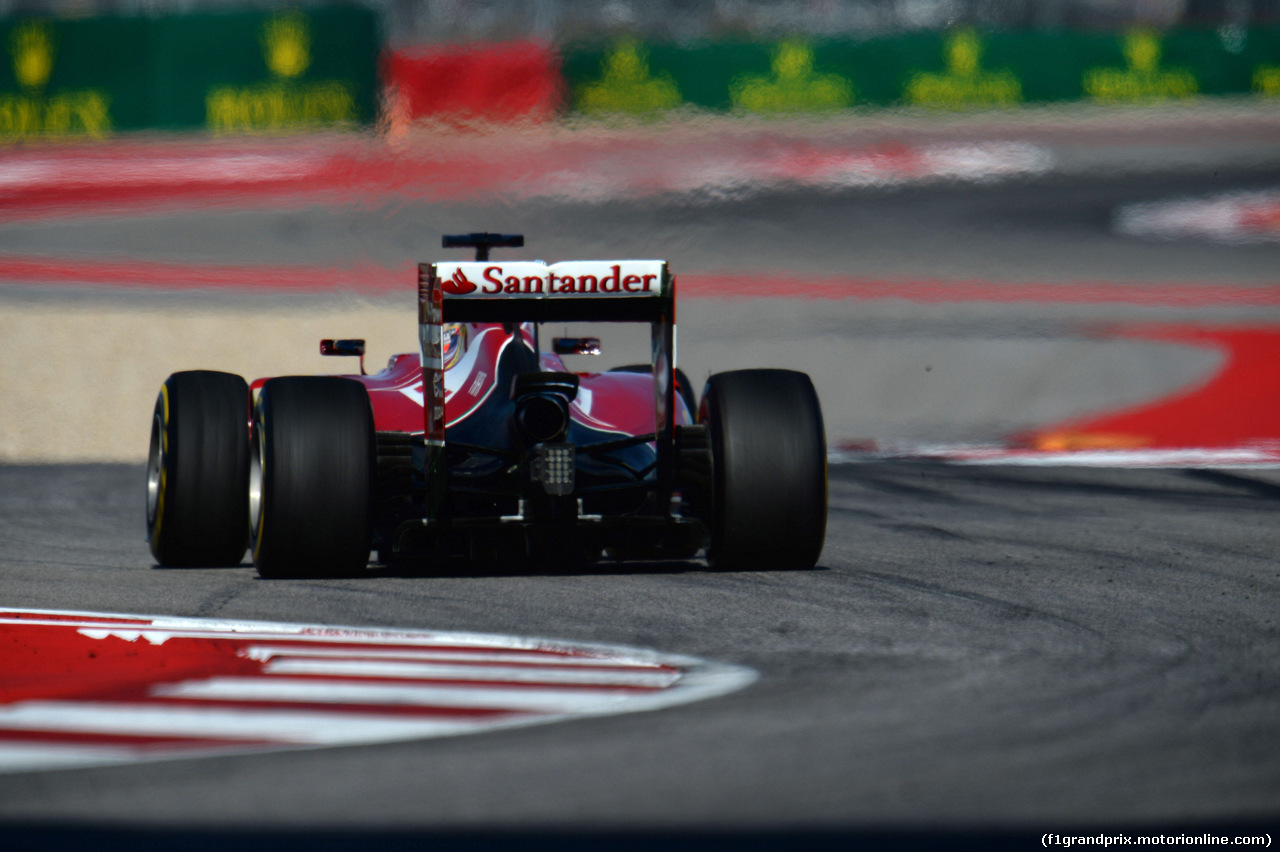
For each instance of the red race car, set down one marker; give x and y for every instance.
(483, 446)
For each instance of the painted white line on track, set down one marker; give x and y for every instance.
(1239, 217)
(510, 674)
(266, 652)
(1245, 457)
(520, 699)
(88, 689)
(242, 723)
(24, 171)
(20, 757)
(738, 174)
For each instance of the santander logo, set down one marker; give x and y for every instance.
(607, 279)
(459, 284)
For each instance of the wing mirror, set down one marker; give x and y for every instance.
(344, 347)
(575, 345)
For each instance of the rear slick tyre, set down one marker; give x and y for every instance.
(769, 461)
(198, 470)
(311, 478)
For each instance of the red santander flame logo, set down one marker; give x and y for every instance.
(458, 285)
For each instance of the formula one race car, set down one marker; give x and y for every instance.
(482, 446)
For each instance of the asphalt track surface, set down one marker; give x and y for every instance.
(1007, 651)
(984, 653)
(1054, 229)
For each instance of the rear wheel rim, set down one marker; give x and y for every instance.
(155, 468)
(255, 486)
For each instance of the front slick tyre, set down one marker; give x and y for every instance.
(769, 456)
(311, 477)
(198, 470)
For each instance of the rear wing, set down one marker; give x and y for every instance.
(530, 291)
(574, 290)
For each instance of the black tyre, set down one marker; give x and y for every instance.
(769, 461)
(683, 386)
(198, 470)
(311, 477)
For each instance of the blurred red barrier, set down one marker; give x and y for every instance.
(503, 82)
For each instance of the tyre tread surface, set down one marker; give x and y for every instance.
(770, 476)
(203, 509)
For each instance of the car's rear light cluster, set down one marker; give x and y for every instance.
(553, 466)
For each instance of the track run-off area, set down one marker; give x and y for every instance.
(1046, 349)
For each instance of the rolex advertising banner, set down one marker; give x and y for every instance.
(293, 71)
(225, 73)
(252, 73)
(72, 79)
(956, 69)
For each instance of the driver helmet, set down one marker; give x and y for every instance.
(453, 342)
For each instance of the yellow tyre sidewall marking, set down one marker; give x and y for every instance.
(259, 439)
(164, 458)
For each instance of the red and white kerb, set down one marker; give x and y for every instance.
(83, 689)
